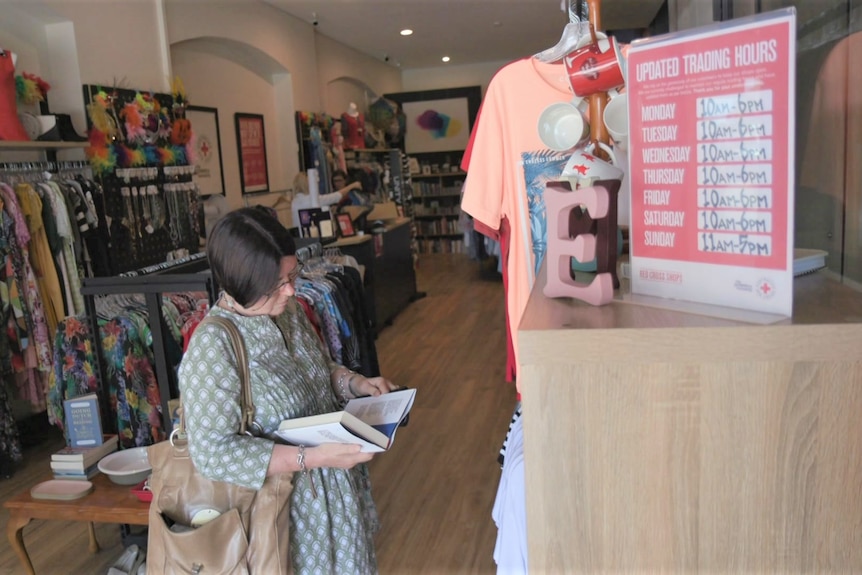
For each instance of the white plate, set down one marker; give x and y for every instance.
(61, 489)
(126, 467)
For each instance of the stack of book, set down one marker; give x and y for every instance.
(81, 462)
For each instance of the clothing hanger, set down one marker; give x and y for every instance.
(576, 29)
(282, 199)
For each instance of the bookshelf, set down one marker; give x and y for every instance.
(436, 211)
(437, 181)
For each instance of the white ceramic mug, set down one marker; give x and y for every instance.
(617, 121)
(584, 168)
(563, 126)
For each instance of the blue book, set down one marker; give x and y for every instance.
(83, 421)
(80, 475)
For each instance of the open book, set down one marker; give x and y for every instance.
(368, 421)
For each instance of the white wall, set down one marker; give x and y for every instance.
(206, 79)
(286, 40)
(418, 79)
(347, 76)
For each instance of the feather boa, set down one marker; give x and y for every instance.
(102, 159)
(192, 149)
(152, 155)
(179, 153)
(135, 133)
(31, 88)
(99, 117)
(167, 156)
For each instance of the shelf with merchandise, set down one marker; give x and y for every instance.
(436, 182)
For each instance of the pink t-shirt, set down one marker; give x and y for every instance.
(508, 167)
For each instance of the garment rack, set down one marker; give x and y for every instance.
(187, 274)
(39, 167)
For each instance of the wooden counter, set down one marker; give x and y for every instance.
(657, 440)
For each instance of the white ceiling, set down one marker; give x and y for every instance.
(468, 31)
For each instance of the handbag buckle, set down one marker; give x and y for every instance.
(180, 435)
(255, 431)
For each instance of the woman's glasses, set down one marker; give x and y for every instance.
(291, 278)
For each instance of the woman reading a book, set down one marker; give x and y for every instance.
(333, 518)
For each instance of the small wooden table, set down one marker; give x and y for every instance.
(108, 503)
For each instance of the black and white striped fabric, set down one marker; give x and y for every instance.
(515, 416)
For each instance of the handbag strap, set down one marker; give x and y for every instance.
(245, 399)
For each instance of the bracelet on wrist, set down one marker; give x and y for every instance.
(344, 386)
(350, 385)
(300, 460)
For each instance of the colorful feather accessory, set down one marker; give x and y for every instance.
(101, 120)
(152, 154)
(102, 159)
(31, 88)
(135, 132)
(167, 156)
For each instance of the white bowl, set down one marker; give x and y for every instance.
(126, 467)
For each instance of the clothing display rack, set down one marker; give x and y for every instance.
(308, 248)
(187, 274)
(17, 168)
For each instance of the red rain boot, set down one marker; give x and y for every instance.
(10, 126)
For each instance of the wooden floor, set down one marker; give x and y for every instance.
(434, 489)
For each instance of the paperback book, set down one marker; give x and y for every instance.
(80, 475)
(83, 457)
(83, 421)
(368, 421)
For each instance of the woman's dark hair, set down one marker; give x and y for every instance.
(244, 250)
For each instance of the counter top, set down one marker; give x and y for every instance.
(366, 237)
(644, 330)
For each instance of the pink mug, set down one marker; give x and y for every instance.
(592, 69)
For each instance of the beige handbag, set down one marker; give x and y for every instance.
(249, 530)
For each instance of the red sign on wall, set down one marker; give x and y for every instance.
(251, 142)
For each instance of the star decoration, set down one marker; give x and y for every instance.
(588, 157)
(581, 169)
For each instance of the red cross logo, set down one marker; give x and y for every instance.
(204, 148)
(765, 288)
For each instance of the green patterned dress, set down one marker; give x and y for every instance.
(332, 533)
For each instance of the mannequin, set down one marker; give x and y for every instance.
(10, 126)
(353, 128)
(337, 139)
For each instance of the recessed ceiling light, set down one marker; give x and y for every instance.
(445, 58)
(406, 32)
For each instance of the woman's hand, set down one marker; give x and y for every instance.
(375, 386)
(340, 455)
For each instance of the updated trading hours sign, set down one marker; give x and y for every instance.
(711, 138)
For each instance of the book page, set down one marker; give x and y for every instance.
(383, 412)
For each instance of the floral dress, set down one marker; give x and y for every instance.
(331, 531)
